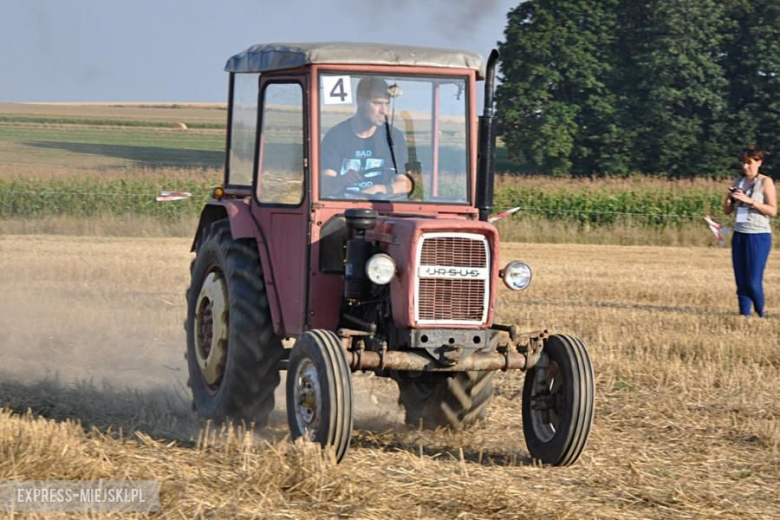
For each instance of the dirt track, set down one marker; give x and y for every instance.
(687, 415)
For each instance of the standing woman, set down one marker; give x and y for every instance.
(754, 199)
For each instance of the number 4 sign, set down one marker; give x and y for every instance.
(337, 90)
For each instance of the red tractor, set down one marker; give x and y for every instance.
(353, 220)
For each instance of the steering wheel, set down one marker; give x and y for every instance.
(384, 170)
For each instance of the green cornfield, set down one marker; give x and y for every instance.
(649, 205)
(92, 196)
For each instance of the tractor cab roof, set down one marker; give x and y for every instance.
(279, 56)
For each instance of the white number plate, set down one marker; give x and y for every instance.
(337, 90)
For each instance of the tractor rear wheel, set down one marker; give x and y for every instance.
(233, 353)
(558, 402)
(453, 402)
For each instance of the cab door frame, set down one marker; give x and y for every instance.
(284, 229)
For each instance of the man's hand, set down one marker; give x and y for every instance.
(376, 188)
(399, 186)
(349, 178)
(335, 184)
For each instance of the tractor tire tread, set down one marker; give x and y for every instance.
(569, 442)
(325, 346)
(457, 402)
(246, 392)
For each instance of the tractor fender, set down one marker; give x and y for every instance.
(236, 211)
(242, 225)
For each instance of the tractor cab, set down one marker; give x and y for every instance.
(353, 219)
(298, 119)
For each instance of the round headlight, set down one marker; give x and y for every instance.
(517, 275)
(380, 269)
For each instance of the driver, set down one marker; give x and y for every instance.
(356, 154)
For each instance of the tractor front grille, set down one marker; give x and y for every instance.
(453, 251)
(453, 279)
(444, 300)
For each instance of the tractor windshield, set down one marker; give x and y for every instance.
(400, 138)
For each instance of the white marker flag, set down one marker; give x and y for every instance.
(719, 231)
(169, 196)
(506, 213)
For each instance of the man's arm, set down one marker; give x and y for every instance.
(327, 179)
(332, 184)
(401, 184)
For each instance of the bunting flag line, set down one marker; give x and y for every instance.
(719, 231)
(169, 196)
(506, 213)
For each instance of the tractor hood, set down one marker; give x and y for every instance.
(440, 262)
(395, 231)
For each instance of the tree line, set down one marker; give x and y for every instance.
(663, 87)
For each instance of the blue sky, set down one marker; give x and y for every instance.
(175, 50)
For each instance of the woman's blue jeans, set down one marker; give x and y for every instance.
(749, 253)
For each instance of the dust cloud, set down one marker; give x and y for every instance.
(92, 329)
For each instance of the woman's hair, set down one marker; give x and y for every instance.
(751, 152)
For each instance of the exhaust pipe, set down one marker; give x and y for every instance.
(487, 143)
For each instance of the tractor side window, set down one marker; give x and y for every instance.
(281, 145)
(243, 135)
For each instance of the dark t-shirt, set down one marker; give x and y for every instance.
(342, 151)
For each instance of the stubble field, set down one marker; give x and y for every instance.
(93, 379)
(687, 395)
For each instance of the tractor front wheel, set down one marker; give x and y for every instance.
(558, 402)
(319, 391)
